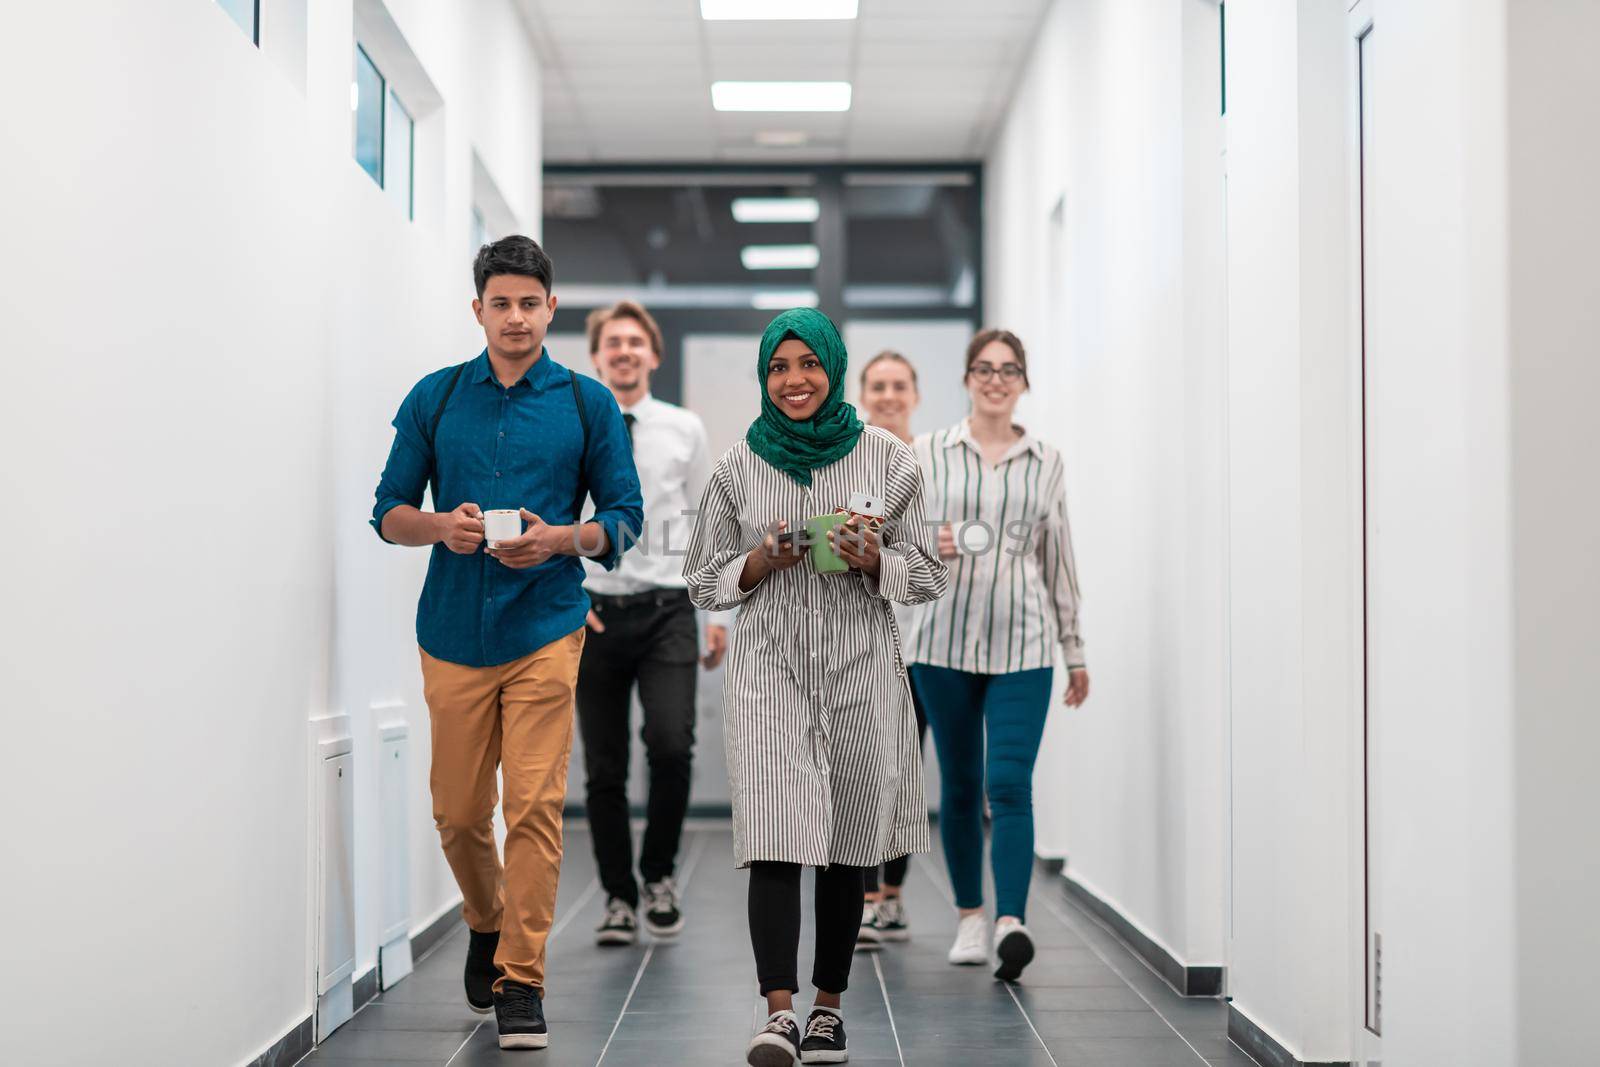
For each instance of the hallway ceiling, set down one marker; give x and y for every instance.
(630, 80)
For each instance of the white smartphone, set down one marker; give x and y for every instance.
(866, 504)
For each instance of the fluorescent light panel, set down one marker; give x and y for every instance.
(779, 257)
(784, 299)
(717, 10)
(780, 96)
(776, 209)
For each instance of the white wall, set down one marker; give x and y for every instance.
(1554, 320)
(1104, 253)
(209, 315)
(1294, 560)
(1480, 325)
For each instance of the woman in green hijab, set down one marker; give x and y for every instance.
(818, 720)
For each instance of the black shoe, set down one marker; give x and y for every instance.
(661, 915)
(824, 1040)
(1014, 947)
(619, 927)
(481, 973)
(520, 1014)
(776, 1044)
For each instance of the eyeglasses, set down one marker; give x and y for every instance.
(1009, 372)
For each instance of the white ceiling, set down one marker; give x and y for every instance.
(630, 80)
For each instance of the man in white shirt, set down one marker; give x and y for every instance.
(642, 631)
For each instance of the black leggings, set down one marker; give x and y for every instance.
(775, 924)
(894, 874)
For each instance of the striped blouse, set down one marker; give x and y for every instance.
(820, 732)
(1013, 588)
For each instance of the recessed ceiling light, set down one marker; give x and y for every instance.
(778, 9)
(780, 96)
(776, 209)
(779, 257)
(781, 138)
(784, 299)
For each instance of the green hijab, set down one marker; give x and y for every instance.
(798, 447)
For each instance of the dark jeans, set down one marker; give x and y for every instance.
(650, 639)
(894, 871)
(775, 925)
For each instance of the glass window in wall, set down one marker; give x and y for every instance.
(480, 231)
(911, 240)
(684, 241)
(399, 132)
(366, 101)
(247, 13)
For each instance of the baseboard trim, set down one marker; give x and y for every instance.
(365, 988)
(1263, 1047)
(435, 932)
(289, 1048)
(1189, 980)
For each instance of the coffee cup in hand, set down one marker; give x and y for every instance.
(501, 525)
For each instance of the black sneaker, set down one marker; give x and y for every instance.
(1014, 947)
(661, 915)
(824, 1040)
(892, 925)
(520, 1013)
(868, 937)
(776, 1044)
(481, 973)
(619, 927)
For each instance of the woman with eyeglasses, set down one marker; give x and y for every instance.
(822, 755)
(889, 396)
(983, 656)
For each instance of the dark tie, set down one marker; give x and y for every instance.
(628, 419)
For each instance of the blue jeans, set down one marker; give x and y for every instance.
(1012, 707)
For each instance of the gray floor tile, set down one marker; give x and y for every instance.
(392, 1046)
(1076, 1024)
(1125, 1052)
(1085, 996)
(440, 1018)
(1080, 998)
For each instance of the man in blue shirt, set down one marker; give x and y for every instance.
(501, 626)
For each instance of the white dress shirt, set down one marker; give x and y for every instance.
(674, 461)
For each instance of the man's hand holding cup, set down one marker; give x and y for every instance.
(461, 530)
(535, 545)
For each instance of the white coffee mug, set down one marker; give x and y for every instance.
(501, 525)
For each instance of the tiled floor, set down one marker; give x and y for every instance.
(1084, 1001)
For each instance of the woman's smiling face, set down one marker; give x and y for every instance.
(796, 380)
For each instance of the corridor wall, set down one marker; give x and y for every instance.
(1105, 246)
(1395, 738)
(209, 313)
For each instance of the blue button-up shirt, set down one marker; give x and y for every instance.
(520, 447)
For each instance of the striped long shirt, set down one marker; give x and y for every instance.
(821, 736)
(1013, 587)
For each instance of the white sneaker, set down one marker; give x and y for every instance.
(892, 923)
(868, 937)
(970, 948)
(1013, 947)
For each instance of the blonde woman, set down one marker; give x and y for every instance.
(889, 396)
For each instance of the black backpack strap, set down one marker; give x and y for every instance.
(583, 460)
(433, 435)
